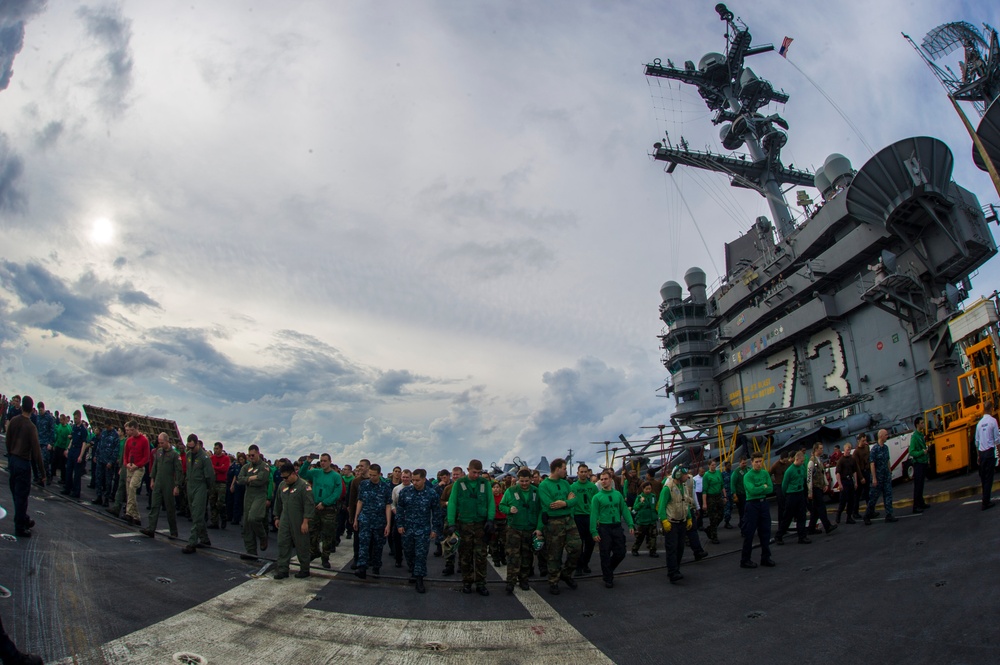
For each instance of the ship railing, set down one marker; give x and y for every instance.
(938, 418)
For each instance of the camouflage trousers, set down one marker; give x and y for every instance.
(472, 552)
(448, 551)
(561, 534)
(371, 542)
(323, 530)
(647, 533)
(518, 554)
(883, 490)
(416, 540)
(217, 503)
(716, 509)
(497, 543)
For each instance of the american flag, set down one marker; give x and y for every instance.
(785, 43)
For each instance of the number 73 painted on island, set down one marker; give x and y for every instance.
(824, 341)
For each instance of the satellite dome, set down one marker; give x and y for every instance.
(710, 59)
(822, 183)
(694, 277)
(695, 280)
(837, 168)
(671, 292)
(730, 139)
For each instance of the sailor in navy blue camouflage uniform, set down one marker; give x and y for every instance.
(878, 457)
(418, 520)
(727, 510)
(106, 455)
(371, 521)
(45, 423)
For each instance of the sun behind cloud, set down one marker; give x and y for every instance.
(102, 231)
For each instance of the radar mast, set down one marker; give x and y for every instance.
(737, 95)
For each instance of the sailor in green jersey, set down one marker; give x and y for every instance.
(327, 487)
(646, 519)
(164, 480)
(471, 508)
(585, 489)
(255, 475)
(294, 507)
(520, 504)
(607, 510)
(712, 500)
(62, 433)
(200, 477)
(757, 518)
(675, 510)
(556, 521)
(918, 456)
(793, 484)
(344, 527)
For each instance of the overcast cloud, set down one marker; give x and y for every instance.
(418, 232)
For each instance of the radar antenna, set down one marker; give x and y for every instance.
(736, 94)
(978, 83)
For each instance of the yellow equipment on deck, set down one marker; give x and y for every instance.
(951, 428)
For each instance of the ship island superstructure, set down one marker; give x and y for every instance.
(848, 307)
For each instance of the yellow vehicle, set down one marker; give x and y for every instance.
(951, 428)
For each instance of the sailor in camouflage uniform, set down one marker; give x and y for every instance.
(294, 507)
(470, 509)
(520, 503)
(878, 457)
(371, 521)
(418, 521)
(106, 454)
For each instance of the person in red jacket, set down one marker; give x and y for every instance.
(136, 459)
(217, 496)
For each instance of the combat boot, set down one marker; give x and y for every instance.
(420, 585)
(449, 569)
(148, 532)
(509, 589)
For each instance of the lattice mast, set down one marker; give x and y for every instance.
(737, 95)
(978, 84)
(979, 80)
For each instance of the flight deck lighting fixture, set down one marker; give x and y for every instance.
(724, 12)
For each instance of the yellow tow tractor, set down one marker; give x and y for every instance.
(951, 429)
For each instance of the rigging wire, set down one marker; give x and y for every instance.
(850, 123)
(696, 226)
(722, 197)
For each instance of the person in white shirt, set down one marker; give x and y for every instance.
(406, 478)
(699, 478)
(987, 437)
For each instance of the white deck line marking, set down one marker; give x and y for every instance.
(266, 621)
(127, 534)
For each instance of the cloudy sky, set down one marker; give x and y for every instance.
(416, 231)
